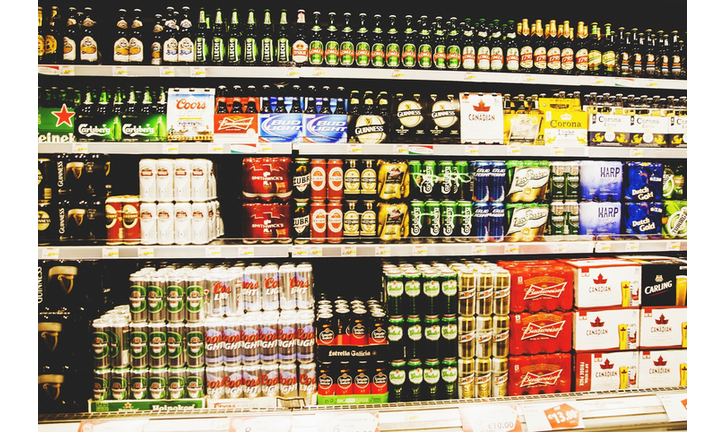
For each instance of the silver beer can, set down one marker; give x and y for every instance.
(270, 287)
(288, 380)
(252, 285)
(252, 381)
(165, 217)
(147, 180)
(182, 223)
(182, 179)
(234, 383)
(268, 337)
(200, 223)
(232, 341)
(215, 379)
(287, 299)
(270, 380)
(164, 180)
(200, 179)
(287, 336)
(307, 381)
(149, 228)
(305, 336)
(214, 341)
(302, 286)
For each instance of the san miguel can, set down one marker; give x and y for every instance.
(318, 178)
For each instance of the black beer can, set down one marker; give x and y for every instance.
(77, 226)
(301, 180)
(300, 221)
(47, 223)
(76, 180)
(46, 181)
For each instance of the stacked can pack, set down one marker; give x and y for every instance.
(642, 194)
(266, 188)
(527, 205)
(177, 202)
(422, 304)
(488, 194)
(541, 325)
(601, 194)
(565, 194)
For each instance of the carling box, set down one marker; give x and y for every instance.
(613, 329)
(606, 282)
(663, 280)
(606, 370)
(662, 368)
(663, 328)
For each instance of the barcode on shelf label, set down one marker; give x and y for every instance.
(213, 252)
(67, 70)
(198, 71)
(400, 149)
(472, 150)
(603, 247)
(50, 253)
(512, 248)
(292, 72)
(246, 251)
(145, 252)
(419, 250)
(673, 246)
(120, 70)
(110, 252)
(382, 251)
(632, 246)
(513, 150)
(479, 249)
(79, 147)
(167, 71)
(349, 251)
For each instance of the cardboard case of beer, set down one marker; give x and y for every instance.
(650, 131)
(663, 328)
(662, 368)
(481, 118)
(663, 280)
(606, 370)
(237, 128)
(606, 282)
(564, 123)
(606, 329)
(190, 114)
(610, 130)
(56, 124)
(678, 131)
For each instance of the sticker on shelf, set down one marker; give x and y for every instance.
(354, 149)
(215, 148)
(50, 253)
(418, 250)
(675, 406)
(558, 151)
(400, 149)
(300, 251)
(246, 251)
(315, 251)
(470, 76)
(422, 150)
(513, 150)
(347, 422)
(512, 248)
(397, 74)
(530, 79)
(382, 251)
(552, 416)
(275, 423)
(67, 70)
(110, 252)
(120, 70)
(603, 247)
(79, 147)
(472, 150)
(170, 148)
(243, 148)
(292, 72)
(560, 247)
(213, 252)
(673, 246)
(318, 72)
(349, 251)
(198, 71)
(636, 152)
(145, 252)
(652, 83)
(120, 425)
(479, 249)
(167, 71)
(632, 246)
(264, 148)
(495, 418)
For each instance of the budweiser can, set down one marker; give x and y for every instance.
(215, 378)
(270, 293)
(288, 380)
(175, 345)
(252, 380)
(287, 299)
(483, 336)
(147, 180)
(335, 179)
(335, 222)
(158, 383)
(195, 382)
(302, 286)
(157, 345)
(287, 336)
(182, 179)
(233, 341)
(164, 180)
(501, 336)
(252, 284)
(318, 221)
(194, 344)
(176, 383)
(200, 223)
(234, 383)
(195, 287)
(305, 336)
(200, 169)
(131, 222)
(182, 223)
(214, 346)
(138, 342)
(270, 380)
(114, 220)
(149, 229)
(307, 381)
(138, 382)
(165, 217)
(249, 333)
(268, 333)
(318, 175)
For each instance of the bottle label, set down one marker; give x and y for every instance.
(650, 63)
(424, 56)
(186, 50)
(283, 50)
(250, 50)
(512, 59)
(378, 55)
(392, 55)
(483, 58)
(625, 58)
(200, 50)
(526, 57)
(362, 54)
(316, 53)
(135, 50)
(267, 50)
(217, 50)
(554, 58)
(609, 61)
(331, 53)
(676, 64)
(300, 51)
(234, 50)
(438, 57)
(664, 59)
(594, 60)
(88, 49)
(453, 57)
(638, 63)
(120, 50)
(468, 57)
(346, 53)
(567, 59)
(51, 45)
(582, 60)
(170, 50)
(539, 58)
(156, 53)
(496, 59)
(409, 56)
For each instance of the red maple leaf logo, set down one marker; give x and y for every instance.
(63, 116)
(607, 365)
(600, 280)
(661, 320)
(481, 107)
(660, 362)
(597, 322)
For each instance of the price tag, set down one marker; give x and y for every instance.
(50, 253)
(552, 416)
(354, 149)
(348, 422)
(472, 150)
(112, 426)
(558, 151)
(401, 149)
(632, 246)
(636, 152)
(397, 73)
(419, 250)
(170, 148)
(145, 252)
(120, 70)
(349, 251)
(479, 249)
(560, 248)
(292, 72)
(264, 148)
(383, 251)
(598, 81)
(246, 251)
(673, 246)
(469, 76)
(512, 248)
(213, 252)
(276, 423)
(652, 83)
(318, 72)
(513, 150)
(79, 147)
(110, 252)
(530, 78)
(675, 406)
(498, 418)
(300, 251)
(198, 71)
(315, 251)
(67, 70)
(603, 247)
(167, 71)
(215, 147)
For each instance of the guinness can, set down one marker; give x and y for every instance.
(47, 223)
(368, 177)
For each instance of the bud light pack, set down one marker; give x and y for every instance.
(601, 180)
(599, 218)
(642, 218)
(643, 181)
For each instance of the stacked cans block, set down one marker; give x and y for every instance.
(178, 202)
(488, 194)
(266, 188)
(564, 187)
(527, 205)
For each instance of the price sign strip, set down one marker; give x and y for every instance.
(275, 423)
(551, 416)
(348, 422)
(675, 405)
(490, 418)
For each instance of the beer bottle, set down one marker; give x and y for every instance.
(510, 47)
(438, 44)
(218, 40)
(41, 36)
(339, 107)
(185, 39)
(424, 45)
(624, 52)
(89, 40)
(568, 56)
(663, 57)
(526, 49)
(296, 99)
(201, 40)
(650, 55)
(326, 107)
(266, 43)
(468, 45)
(265, 99)
(251, 104)
(280, 103)
(102, 108)
(118, 107)
(553, 50)
(157, 41)
(608, 52)
(683, 57)
(408, 58)
(497, 54)
(300, 48)
(482, 56)
(362, 45)
(282, 52)
(251, 50)
(135, 39)
(85, 114)
(170, 43)
(346, 44)
(331, 42)
(594, 50)
(391, 42)
(71, 37)
(540, 52)
(161, 101)
(146, 103)
(377, 45)
(236, 105)
(354, 105)
(51, 54)
(637, 53)
(675, 53)
(234, 48)
(310, 106)
(316, 44)
(452, 40)
(581, 49)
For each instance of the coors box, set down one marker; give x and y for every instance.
(663, 328)
(606, 371)
(663, 280)
(606, 329)
(606, 282)
(662, 368)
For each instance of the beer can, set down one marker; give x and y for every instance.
(182, 223)
(449, 375)
(301, 222)
(351, 178)
(445, 174)
(350, 222)
(138, 343)
(432, 330)
(268, 334)
(413, 298)
(483, 336)
(318, 179)
(176, 383)
(119, 336)
(200, 223)
(182, 179)
(557, 180)
(194, 344)
(448, 336)
(414, 379)
(496, 181)
(157, 344)
(215, 379)
(287, 336)
(164, 180)
(156, 298)
(147, 180)
(175, 292)
(248, 348)
(194, 297)
(395, 336)
(430, 298)
(219, 291)
(499, 367)
(397, 381)
(307, 381)
(195, 382)
(326, 382)
(305, 336)
(326, 330)
(101, 384)
(466, 337)
(252, 288)
(413, 337)
(234, 382)
(288, 380)
(360, 378)
(46, 179)
(433, 219)
(572, 181)
(149, 230)
(114, 220)
(287, 299)
(235, 302)
(252, 381)
(335, 179)
(378, 328)
(335, 222)
(466, 292)
(214, 220)
(270, 284)
(138, 383)
(496, 222)
(131, 222)
(214, 342)
(302, 286)
(431, 380)
(119, 383)
(501, 292)
(270, 386)
(137, 298)
(483, 378)
(165, 217)
(501, 336)
(464, 220)
(318, 221)
(301, 179)
(158, 383)
(200, 169)
(484, 293)
(368, 177)
(481, 171)
(48, 229)
(466, 378)
(394, 290)
(368, 221)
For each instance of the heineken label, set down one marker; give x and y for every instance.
(139, 386)
(137, 301)
(155, 299)
(174, 299)
(101, 346)
(174, 344)
(157, 342)
(194, 299)
(139, 344)
(195, 344)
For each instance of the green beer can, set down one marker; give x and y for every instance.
(397, 380)
(101, 384)
(464, 223)
(157, 383)
(414, 380)
(139, 383)
(176, 383)
(448, 220)
(394, 290)
(431, 379)
(449, 375)
(119, 383)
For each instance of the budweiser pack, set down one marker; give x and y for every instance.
(540, 333)
(606, 370)
(662, 368)
(536, 374)
(537, 286)
(606, 329)
(606, 282)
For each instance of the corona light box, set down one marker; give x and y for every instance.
(190, 114)
(481, 118)
(564, 123)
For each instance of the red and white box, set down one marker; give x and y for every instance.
(543, 373)
(540, 333)
(606, 282)
(663, 328)
(606, 329)
(662, 368)
(606, 371)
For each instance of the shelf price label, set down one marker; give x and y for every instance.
(512, 248)
(673, 246)
(675, 406)
(354, 149)
(632, 246)
(513, 150)
(198, 71)
(300, 251)
(603, 247)
(349, 251)
(246, 251)
(558, 151)
(472, 150)
(498, 418)
(397, 74)
(552, 416)
(145, 252)
(79, 147)
(50, 253)
(110, 252)
(383, 251)
(264, 148)
(167, 71)
(170, 148)
(479, 249)
(215, 147)
(636, 152)
(319, 72)
(68, 70)
(470, 76)
(120, 70)
(419, 250)
(530, 78)
(560, 247)
(292, 72)
(213, 252)
(112, 426)
(348, 422)
(401, 149)
(276, 423)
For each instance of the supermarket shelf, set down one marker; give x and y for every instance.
(636, 152)
(618, 246)
(164, 252)
(356, 73)
(185, 148)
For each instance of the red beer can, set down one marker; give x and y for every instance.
(131, 220)
(344, 378)
(539, 286)
(379, 378)
(318, 221)
(325, 380)
(361, 381)
(267, 177)
(335, 179)
(266, 222)
(318, 173)
(335, 222)
(536, 374)
(114, 220)
(541, 333)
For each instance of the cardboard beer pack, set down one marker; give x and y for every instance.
(663, 280)
(407, 119)
(662, 368)
(443, 125)
(190, 114)
(651, 131)
(678, 131)
(610, 130)
(611, 329)
(237, 128)
(663, 328)
(564, 123)
(606, 282)
(56, 124)
(606, 370)
(481, 118)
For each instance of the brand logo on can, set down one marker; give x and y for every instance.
(553, 291)
(531, 379)
(549, 330)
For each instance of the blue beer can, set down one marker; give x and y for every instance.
(496, 230)
(481, 223)
(481, 177)
(496, 181)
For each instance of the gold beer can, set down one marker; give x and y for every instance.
(484, 292)
(483, 336)
(466, 337)
(501, 336)
(483, 378)
(501, 294)
(684, 327)
(466, 292)
(466, 379)
(499, 367)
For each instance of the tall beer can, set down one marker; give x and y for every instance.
(501, 292)
(302, 285)
(466, 292)
(499, 367)
(305, 336)
(215, 378)
(164, 180)
(307, 381)
(131, 220)
(138, 383)
(182, 223)
(483, 378)
(195, 286)
(195, 382)
(484, 293)
(219, 290)
(194, 344)
(270, 293)
(233, 341)
(119, 342)
(176, 383)
(157, 345)
(165, 217)
(175, 292)
(270, 380)
(448, 336)
(287, 299)
(182, 179)
(466, 337)
(235, 301)
(252, 285)
(249, 328)
(101, 384)
(138, 342)
(287, 336)
(199, 223)
(200, 169)
(268, 333)
(252, 381)
(147, 180)
(137, 298)
(501, 336)
(288, 380)
(101, 344)
(483, 336)
(158, 383)
(214, 342)
(149, 229)
(234, 382)
(466, 378)
(119, 383)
